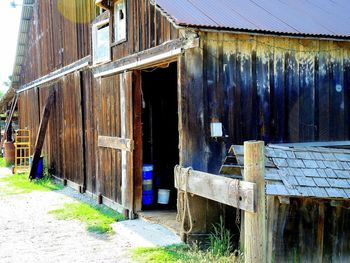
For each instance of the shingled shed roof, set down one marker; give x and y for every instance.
(304, 172)
(312, 17)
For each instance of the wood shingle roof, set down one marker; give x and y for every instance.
(301, 171)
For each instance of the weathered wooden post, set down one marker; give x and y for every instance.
(255, 224)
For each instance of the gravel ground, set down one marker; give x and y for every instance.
(29, 234)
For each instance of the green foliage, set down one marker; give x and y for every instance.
(178, 254)
(98, 219)
(220, 240)
(3, 162)
(20, 184)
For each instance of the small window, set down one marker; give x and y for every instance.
(100, 42)
(119, 21)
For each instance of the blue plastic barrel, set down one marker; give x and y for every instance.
(147, 184)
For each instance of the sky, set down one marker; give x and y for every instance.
(9, 26)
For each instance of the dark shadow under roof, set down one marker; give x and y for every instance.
(298, 17)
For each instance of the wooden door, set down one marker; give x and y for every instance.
(115, 132)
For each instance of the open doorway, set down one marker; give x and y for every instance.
(160, 136)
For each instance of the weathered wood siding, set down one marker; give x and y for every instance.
(29, 113)
(146, 28)
(64, 139)
(60, 36)
(268, 88)
(89, 108)
(308, 230)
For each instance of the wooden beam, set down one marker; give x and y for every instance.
(146, 58)
(255, 224)
(41, 133)
(137, 106)
(126, 130)
(116, 143)
(77, 65)
(232, 192)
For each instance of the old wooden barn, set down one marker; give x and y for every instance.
(161, 83)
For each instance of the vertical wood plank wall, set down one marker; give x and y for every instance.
(59, 36)
(64, 139)
(308, 230)
(261, 88)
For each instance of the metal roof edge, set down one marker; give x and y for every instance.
(165, 14)
(27, 8)
(266, 33)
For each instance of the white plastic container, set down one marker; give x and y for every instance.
(163, 196)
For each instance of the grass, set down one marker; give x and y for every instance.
(98, 219)
(220, 250)
(220, 240)
(4, 163)
(178, 254)
(20, 184)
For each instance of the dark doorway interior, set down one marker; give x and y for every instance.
(160, 137)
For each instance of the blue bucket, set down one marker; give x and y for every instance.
(147, 184)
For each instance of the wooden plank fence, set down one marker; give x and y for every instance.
(247, 195)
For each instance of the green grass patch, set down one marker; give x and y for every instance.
(20, 184)
(4, 163)
(178, 254)
(98, 219)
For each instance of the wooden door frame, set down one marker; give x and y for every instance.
(137, 132)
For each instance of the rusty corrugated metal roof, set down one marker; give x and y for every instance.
(298, 17)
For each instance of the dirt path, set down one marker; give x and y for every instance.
(29, 234)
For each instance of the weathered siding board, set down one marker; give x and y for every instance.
(277, 105)
(263, 90)
(90, 124)
(346, 63)
(72, 129)
(308, 230)
(29, 113)
(337, 127)
(323, 83)
(229, 81)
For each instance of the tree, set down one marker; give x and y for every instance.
(5, 86)
(8, 82)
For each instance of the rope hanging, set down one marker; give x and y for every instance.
(183, 204)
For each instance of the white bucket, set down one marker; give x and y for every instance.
(163, 196)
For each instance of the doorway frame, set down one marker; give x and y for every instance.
(137, 128)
